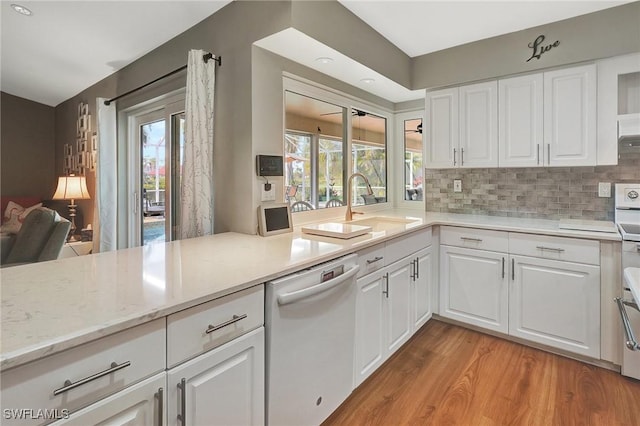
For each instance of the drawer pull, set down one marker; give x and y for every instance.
(557, 250)
(68, 384)
(374, 260)
(233, 319)
(417, 267)
(477, 240)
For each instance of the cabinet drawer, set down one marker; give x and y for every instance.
(475, 238)
(204, 327)
(557, 248)
(371, 259)
(401, 247)
(139, 352)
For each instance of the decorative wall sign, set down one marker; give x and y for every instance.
(78, 157)
(539, 48)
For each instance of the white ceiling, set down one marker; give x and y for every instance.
(67, 46)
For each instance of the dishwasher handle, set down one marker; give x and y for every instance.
(294, 296)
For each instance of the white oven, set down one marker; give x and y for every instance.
(627, 216)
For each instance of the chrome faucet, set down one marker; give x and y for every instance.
(349, 215)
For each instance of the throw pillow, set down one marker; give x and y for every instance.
(14, 215)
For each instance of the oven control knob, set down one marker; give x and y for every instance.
(632, 194)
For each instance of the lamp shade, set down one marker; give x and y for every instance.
(71, 188)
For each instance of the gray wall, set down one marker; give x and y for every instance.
(610, 32)
(27, 148)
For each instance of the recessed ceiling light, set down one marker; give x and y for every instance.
(368, 80)
(324, 60)
(21, 10)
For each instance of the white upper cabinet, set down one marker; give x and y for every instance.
(520, 120)
(618, 94)
(479, 125)
(570, 116)
(442, 135)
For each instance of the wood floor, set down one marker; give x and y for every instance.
(448, 375)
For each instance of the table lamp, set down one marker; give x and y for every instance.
(72, 188)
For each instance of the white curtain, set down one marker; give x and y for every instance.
(196, 191)
(106, 197)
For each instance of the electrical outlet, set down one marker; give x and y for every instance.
(268, 192)
(604, 189)
(457, 185)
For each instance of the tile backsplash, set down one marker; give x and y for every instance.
(537, 192)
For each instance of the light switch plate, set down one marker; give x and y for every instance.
(604, 189)
(457, 185)
(268, 194)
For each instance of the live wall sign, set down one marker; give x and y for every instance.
(539, 48)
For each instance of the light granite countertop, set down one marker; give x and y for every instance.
(51, 306)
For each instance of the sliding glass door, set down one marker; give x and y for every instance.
(156, 152)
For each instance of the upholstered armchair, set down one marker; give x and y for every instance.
(41, 237)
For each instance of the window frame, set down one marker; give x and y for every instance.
(326, 94)
(398, 169)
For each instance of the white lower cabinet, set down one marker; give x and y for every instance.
(369, 345)
(556, 303)
(423, 277)
(474, 288)
(540, 288)
(141, 404)
(224, 386)
(391, 305)
(396, 307)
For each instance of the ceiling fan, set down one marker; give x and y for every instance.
(418, 129)
(354, 113)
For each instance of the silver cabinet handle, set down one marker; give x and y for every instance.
(160, 395)
(454, 156)
(558, 250)
(182, 416)
(548, 154)
(513, 269)
(386, 290)
(374, 260)
(233, 319)
(538, 153)
(503, 268)
(631, 342)
(461, 156)
(417, 267)
(68, 384)
(412, 275)
(477, 240)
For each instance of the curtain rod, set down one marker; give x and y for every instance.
(205, 58)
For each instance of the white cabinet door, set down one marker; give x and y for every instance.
(520, 118)
(442, 129)
(369, 344)
(556, 303)
(479, 125)
(224, 386)
(141, 404)
(474, 287)
(398, 313)
(570, 116)
(421, 288)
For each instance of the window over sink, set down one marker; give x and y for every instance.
(327, 139)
